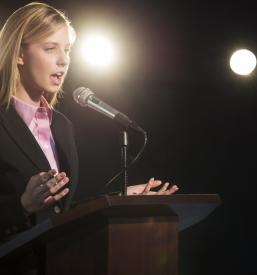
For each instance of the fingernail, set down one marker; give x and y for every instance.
(65, 180)
(65, 191)
(151, 179)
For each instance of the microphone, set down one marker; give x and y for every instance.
(85, 97)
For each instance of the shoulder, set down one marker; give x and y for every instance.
(8, 114)
(4, 110)
(61, 118)
(61, 123)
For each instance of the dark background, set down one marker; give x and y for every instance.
(174, 80)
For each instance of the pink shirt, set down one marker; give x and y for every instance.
(38, 120)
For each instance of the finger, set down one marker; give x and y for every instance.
(151, 184)
(60, 176)
(55, 180)
(57, 197)
(172, 190)
(156, 183)
(44, 187)
(60, 195)
(151, 179)
(148, 186)
(45, 176)
(53, 189)
(163, 189)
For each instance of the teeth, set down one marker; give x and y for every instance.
(59, 74)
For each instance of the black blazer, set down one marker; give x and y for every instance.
(21, 157)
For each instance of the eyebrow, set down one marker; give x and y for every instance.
(56, 44)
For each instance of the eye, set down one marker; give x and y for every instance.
(49, 49)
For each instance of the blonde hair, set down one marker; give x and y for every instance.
(27, 24)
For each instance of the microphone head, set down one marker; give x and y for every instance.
(81, 94)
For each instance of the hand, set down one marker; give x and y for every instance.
(145, 189)
(43, 189)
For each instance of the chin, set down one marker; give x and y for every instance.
(52, 90)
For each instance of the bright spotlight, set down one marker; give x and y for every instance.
(98, 51)
(242, 62)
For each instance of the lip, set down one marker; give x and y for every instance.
(57, 78)
(59, 73)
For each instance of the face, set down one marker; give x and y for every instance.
(43, 65)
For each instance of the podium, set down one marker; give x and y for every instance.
(115, 235)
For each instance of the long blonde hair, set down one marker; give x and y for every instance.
(27, 24)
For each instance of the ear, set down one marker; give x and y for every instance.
(20, 60)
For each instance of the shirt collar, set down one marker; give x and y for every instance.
(49, 109)
(27, 111)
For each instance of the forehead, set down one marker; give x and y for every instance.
(61, 36)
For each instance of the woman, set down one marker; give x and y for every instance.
(38, 157)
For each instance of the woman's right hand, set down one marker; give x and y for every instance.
(43, 189)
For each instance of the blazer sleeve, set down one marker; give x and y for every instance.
(12, 214)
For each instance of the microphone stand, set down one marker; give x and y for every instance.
(124, 161)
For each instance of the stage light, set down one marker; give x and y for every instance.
(98, 51)
(243, 62)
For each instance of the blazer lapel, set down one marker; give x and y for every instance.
(65, 154)
(23, 137)
(61, 144)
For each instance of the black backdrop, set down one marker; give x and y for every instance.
(201, 118)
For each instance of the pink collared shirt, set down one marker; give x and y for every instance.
(38, 120)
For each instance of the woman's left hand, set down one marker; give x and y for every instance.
(145, 189)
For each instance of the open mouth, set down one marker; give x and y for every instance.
(57, 78)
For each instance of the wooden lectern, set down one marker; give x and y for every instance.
(116, 235)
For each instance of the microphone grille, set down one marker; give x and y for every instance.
(81, 94)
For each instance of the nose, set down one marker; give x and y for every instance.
(63, 59)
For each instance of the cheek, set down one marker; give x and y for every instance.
(42, 62)
(40, 66)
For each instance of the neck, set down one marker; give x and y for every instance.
(29, 97)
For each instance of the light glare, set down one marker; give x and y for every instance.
(242, 62)
(98, 51)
